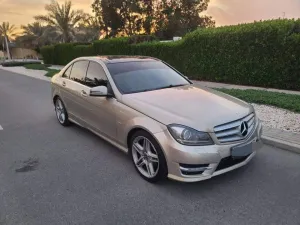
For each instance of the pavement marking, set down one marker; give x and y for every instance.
(1, 128)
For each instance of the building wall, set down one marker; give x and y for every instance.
(20, 53)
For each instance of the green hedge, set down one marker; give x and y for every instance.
(19, 63)
(263, 54)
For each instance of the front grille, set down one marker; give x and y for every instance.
(193, 169)
(229, 161)
(231, 132)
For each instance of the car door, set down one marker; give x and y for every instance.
(100, 111)
(75, 90)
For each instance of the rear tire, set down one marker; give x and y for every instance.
(61, 112)
(147, 157)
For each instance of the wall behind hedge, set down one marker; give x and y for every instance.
(263, 54)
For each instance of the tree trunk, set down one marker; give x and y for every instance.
(7, 48)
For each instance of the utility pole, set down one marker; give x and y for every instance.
(283, 13)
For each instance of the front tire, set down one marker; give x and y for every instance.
(147, 157)
(61, 112)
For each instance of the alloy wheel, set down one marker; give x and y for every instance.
(60, 111)
(145, 157)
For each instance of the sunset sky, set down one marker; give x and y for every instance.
(223, 11)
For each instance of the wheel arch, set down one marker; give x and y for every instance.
(139, 128)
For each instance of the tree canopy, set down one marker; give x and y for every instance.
(164, 18)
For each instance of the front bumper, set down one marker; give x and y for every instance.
(212, 160)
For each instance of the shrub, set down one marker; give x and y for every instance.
(48, 54)
(19, 63)
(136, 39)
(82, 50)
(263, 53)
(115, 46)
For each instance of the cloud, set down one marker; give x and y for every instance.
(241, 11)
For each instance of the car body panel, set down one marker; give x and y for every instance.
(198, 108)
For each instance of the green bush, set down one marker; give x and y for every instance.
(18, 63)
(48, 54)
(115, 46)
(136, 39)
(82, 50)
(263, 53)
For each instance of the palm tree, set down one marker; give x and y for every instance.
(36, 35)
(88, 30)
(62, 18)
(33, 35)
(7, 32)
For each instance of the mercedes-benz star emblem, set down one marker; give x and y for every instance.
(244, 128)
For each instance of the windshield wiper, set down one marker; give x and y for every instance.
(171, 86)
(153, 89)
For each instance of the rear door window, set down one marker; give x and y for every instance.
(78, 72)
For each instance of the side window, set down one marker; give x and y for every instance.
(95, 75)
(79, 71)
(67, 73)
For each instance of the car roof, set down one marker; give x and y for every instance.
(108, 59)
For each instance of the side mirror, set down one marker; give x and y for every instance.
(100, 91)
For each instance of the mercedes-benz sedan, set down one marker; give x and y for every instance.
(168, 126)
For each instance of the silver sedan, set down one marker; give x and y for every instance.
(146, 108)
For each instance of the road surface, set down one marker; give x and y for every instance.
(55, 175)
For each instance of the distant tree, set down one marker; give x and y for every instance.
(34, 35)
(62, 18)
(181, 16)
(131, 15)
(119, 17)
(88, 30)
(165, 18)
(148, 11)
(107, 11)
(7, 32)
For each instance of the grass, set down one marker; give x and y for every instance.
(50, 72)
(281, 100)
(37, 66)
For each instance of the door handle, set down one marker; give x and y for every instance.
(83, 93)
(64, 83)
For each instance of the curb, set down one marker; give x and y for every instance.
(292, 147)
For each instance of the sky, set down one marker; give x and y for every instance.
(225, 12)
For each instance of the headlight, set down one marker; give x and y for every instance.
(188, 136)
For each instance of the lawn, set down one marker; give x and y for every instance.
(281, 100)
(50, 72)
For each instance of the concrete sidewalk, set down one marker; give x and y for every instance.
(281, 139)
(241, 87)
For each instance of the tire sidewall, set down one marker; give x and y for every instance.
(163, 169)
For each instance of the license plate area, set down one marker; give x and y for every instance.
(242, 150)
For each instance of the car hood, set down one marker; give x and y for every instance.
(199, 108)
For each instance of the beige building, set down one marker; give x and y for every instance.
(21, 53)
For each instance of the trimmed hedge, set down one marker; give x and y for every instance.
(263, 54)
(19, 63)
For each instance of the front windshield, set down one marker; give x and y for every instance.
(141, 76)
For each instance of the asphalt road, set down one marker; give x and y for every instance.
(55, 175)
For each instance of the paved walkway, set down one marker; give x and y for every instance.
(241, 87)
(282, 139)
